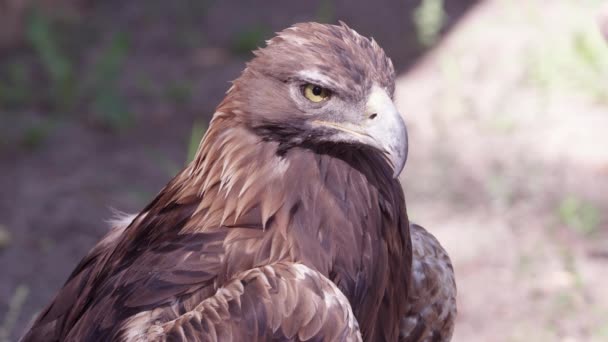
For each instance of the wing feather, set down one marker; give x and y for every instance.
(431, 309)
(285, 301)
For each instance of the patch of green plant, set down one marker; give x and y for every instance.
(179, 92)
(108, 104)
(500, 189)
(190, 38)
(44, 39)
(326, 12)
(198, 131)
(97, 88)
(575, 59)
(601, 332)
(569, 262)
(36, 134)
(525, 263)
(429, 18)
(190, 33)
(169, 166)
(250, 39)
(146, 86)
(196, 8)
(564, 301)
(142, 197)
(14, 85)
(579, 215)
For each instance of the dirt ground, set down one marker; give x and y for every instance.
(506, 114)
(509, 168)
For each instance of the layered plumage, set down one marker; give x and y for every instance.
(431, 308)
(288, 225)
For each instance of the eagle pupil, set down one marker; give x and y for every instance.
(316, 90)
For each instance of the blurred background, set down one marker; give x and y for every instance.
(101, 103)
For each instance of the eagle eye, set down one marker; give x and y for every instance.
(315, 93)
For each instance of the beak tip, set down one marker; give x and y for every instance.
(401, 155)
(398, 166)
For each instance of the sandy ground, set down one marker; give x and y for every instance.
(508, 162)
(496, 161)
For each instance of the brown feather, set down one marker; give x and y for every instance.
(432, 306)
(302, 293)
(264, 235)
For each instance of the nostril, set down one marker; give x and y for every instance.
(373, 116)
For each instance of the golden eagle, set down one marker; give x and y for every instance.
(289, 224)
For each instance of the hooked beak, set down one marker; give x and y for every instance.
(381, 128)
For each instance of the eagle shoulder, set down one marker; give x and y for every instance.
(431, 308)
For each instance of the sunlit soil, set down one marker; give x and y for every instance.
(509, 168)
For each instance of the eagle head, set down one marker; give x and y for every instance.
(317, 85)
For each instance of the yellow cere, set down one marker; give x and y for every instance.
(316, 93)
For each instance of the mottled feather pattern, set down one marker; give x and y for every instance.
(286, 302)
(271, 232)
(179, 248)
(432, 306)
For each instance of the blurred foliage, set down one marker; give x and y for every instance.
(602, 330)
(582, 216)
(189, 35)
(44, 39)
(250, 39)
(108, 104)
(36, 134)
(326, 12)
(501, 190)
(577, 60)
(50, 75)
(198, 131)
(179, 92)
(429, 18)
(14, 84)
(169, 166)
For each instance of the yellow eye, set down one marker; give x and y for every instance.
(316, 93)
